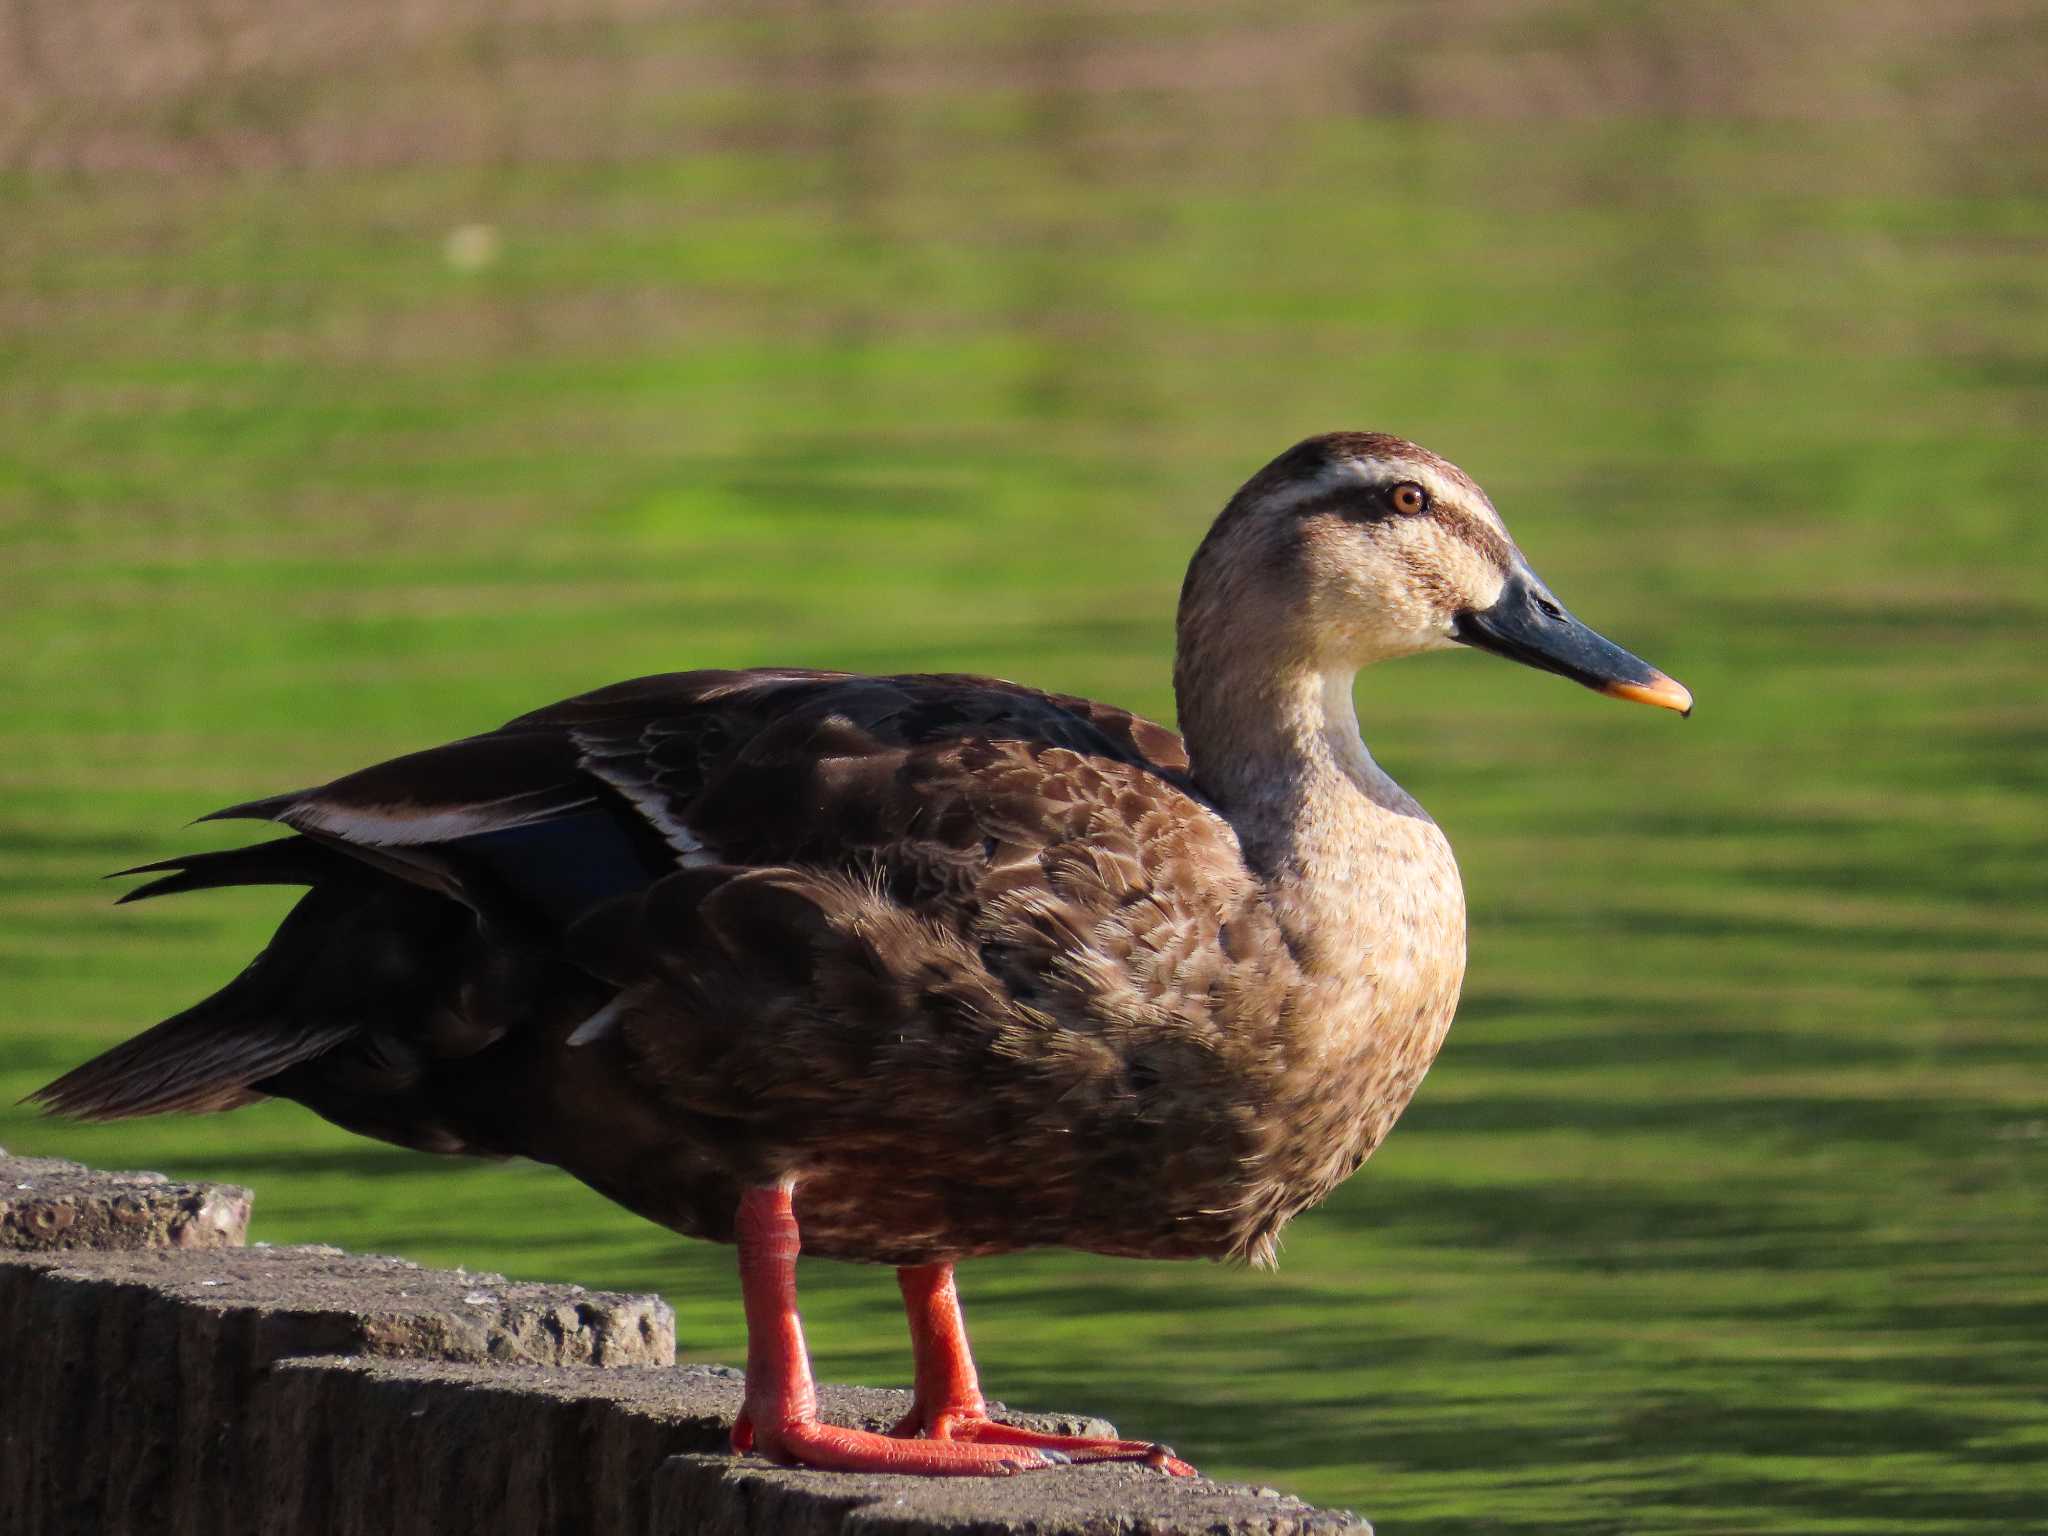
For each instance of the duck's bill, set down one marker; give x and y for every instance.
(1528, 625)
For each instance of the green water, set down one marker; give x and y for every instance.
(932, 340)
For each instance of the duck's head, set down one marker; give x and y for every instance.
(1358, 547)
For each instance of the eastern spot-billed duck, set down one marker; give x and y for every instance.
(922, 967)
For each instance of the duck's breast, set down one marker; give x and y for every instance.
(1375, 914)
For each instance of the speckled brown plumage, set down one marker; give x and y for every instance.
(978, 968)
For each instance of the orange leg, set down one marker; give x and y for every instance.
(780, 1415)
(949, 1408)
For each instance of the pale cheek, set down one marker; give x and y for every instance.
(1408, 621)
(1493, 581)
(1441, 640)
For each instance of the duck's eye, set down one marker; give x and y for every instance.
(1408, 498)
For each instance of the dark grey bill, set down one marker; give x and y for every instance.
(1528, 625)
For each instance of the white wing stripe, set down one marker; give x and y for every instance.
(406, 825)
(599, 1024)
(692, 852)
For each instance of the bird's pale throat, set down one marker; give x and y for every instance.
(1277, 748)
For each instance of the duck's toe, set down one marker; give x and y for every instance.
(980, 1430)
(834, 1448)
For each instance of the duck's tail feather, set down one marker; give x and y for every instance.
(285, 861)
(316, 984)
(204, 1059)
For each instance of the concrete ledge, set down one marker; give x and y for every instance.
(276, 1302)
(159, 1385)
(46, 1204)
(699, 1495)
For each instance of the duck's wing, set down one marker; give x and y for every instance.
(690, 931)
(607, 792)
(526, 814)
(951, 926)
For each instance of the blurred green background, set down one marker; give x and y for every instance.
(369, 374)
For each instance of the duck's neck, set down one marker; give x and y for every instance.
(1274, 745)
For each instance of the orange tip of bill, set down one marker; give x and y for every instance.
(1664, 692)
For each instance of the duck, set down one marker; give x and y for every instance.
(914, 969)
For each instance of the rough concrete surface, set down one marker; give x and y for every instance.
(645, 1451)
(170, 1389)
(699, 1495)
(321, 1301)
(46, 1204)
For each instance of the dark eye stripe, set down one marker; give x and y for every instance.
(1367, 504)
(1355, 502)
